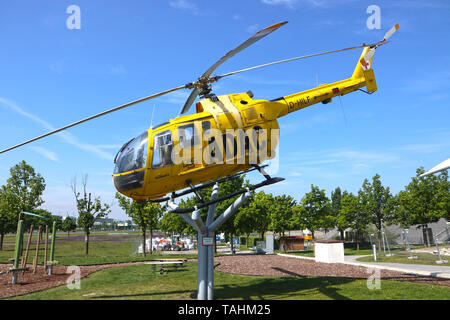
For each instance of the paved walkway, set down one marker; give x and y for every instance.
(422, 269)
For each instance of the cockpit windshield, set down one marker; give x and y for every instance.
(132, 155)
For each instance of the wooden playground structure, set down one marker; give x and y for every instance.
(20, 257)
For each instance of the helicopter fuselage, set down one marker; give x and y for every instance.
(227, 134)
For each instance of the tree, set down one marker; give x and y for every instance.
(335, 209)
(7, 219)
(282, 213)
(46, 220)
(172, 222)
(245, 221)
(144, 214)
(68, 225)
(352, 214)
(424, 200)
(24, 188)
(314, 209)
(260, 207)
(375, 200)
(226, 188)
(89, 210)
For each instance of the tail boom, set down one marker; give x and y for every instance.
(361, 77)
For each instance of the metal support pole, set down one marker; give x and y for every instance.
(52, 249)
(374, 247)
(409, 247)
(17, 250)
(205, 269)
(36, 257)
(386, 241)
(230, 211)
(446, 230)
(210, 250)
(46, 247)
(27, 249)
(382, 238)
(210, 273)
(439, 253)
(198, 221)
(202, 269)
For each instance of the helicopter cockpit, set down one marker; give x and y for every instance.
(131, 157)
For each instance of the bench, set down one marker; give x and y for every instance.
(164, 265)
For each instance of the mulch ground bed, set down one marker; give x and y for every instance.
(254, 265)
(29, 282)
(278, 266)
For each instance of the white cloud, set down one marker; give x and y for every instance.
(116, 70)
(291, 4)
(237, 16)
(252, 28)
(185, 5)
(335, 163)
(46, 153)
(287, 3)
(423, 148)
(66, 136)
(177, 97)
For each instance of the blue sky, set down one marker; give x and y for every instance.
(52, 76)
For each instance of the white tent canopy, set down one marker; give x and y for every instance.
(440, 167)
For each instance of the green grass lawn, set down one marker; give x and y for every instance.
(402, 257)
(353, 252)
(139, 282)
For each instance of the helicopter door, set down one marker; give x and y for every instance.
(190, 143)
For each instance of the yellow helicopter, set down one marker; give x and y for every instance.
(227, 136)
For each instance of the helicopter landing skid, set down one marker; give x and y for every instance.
(228, 196)
(195, 189)
(268, 181)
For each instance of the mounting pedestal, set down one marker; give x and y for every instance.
(206, 239)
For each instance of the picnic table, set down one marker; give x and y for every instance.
(163, 266)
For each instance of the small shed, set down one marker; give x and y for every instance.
(292, 243)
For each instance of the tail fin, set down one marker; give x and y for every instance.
(364, 71)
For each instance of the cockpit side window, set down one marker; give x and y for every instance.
(188, 136)
(162, 149)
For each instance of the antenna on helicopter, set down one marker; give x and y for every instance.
(151, 121)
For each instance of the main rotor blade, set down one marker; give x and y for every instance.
(293, 59)
(257, 36)
(190, 100)
(96, 116)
